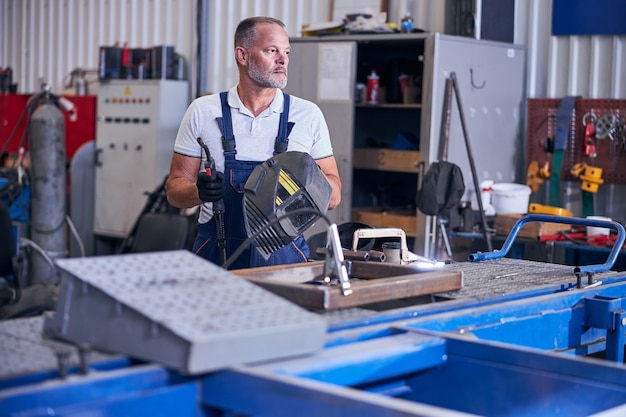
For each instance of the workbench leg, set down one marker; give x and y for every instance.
(615, 338)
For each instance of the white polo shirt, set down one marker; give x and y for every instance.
(254, 136)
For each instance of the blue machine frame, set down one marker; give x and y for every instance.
(549, 352)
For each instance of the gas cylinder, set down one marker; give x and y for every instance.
(46, 131)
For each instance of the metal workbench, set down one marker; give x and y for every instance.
(520, 338)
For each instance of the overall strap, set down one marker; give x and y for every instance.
(284, 128)
(225, 124)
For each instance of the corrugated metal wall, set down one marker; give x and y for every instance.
(47, 39)
(558, 66)
(224, 17)
(588, 66)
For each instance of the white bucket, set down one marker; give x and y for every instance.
(510, 198)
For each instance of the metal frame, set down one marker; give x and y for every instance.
(527, 353)
(617, 246)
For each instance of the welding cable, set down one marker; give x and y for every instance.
(18, 271)
(10, 138)
(11, 190)
(79, 241)
(269, 224)
(38, 249)
(27, 110)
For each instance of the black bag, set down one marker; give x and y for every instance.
(442, 188)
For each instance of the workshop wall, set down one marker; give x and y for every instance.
(588, 66)
(47, 39)
(222, 69)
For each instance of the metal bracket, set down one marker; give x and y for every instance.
(608, 313)
(406, 256)
(334, 265)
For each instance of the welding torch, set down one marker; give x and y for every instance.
(218, 206)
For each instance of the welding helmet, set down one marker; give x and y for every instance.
(276, 194)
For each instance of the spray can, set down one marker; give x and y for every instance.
(406, 24)
(373, 84)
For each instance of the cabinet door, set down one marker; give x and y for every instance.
(490, 78)
(323, 72)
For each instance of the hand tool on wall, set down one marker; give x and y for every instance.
(589, 174)
(563, 121)
(536, 175)
(589, 144)
(591, 177)
(218, 206)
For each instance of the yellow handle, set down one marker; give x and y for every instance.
(555, 211)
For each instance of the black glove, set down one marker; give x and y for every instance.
(210, 189)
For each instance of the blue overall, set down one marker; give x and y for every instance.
(236, 174)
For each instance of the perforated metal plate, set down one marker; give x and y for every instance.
(24, 351)
(505, 276)
(178, 309)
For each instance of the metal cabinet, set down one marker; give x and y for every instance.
(381, 149)
(136, 128)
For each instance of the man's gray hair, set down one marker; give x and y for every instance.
(245, 34)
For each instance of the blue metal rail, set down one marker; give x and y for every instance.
(513, 357)
(575, 221)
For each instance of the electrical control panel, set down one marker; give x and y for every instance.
(137, 123)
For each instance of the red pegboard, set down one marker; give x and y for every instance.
(611, 150)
